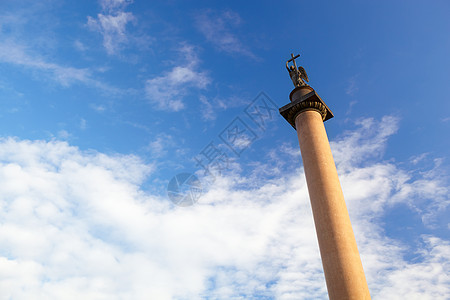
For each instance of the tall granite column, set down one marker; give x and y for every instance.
(342, 265)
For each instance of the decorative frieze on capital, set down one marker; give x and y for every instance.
(306, 105)
(301, 103)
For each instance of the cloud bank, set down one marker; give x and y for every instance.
(77, 225)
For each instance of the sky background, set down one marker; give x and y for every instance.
(103, 102)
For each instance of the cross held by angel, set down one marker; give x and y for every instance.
(298, 74)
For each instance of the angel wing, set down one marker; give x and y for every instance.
(303, 74)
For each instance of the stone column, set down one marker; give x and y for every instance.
(342, 265)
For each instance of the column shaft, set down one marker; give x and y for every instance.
(342, 265)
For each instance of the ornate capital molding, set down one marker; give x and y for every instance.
(304, 106)
(303, 102)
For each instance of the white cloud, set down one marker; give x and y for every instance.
(111, 5)
(158, 146)
(112, 28)
(112, 25)
(366, 143)
(76, 225)
(167, 91)
(14, 53)
(79, 46)
(427, 279)
(217, 29)
(418, 158)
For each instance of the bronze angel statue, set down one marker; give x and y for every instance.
(298, 75)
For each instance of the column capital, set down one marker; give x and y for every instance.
(304, 98)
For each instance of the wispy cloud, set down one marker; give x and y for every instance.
(167, 91)
(18, 54)
(113, 29)
(83, 124)
(113, 23)
(160, 144)
(352, 87)
(366, 143)
(210, 107)
(64, 134)
(217, 27)
(113, 5)
(80, 46)
(13, 53)
(418, 158)
(30, 52)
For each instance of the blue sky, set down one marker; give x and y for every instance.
(103, 102)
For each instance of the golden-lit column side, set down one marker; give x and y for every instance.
(341, 262)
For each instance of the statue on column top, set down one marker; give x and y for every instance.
(298, 75)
